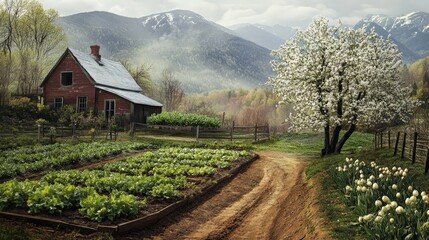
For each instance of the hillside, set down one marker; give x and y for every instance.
(203, 55)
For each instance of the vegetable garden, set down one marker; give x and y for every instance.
(122, 188)
(28, 159)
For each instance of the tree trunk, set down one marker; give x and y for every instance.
(345, 138)
(326, 150)
(335, 138)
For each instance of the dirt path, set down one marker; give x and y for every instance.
(271, 200)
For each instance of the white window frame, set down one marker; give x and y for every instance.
(78, 104)
(55, 102)
(114, 109)
(61, 79)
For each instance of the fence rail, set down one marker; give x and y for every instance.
(257, 133)
(411, 146)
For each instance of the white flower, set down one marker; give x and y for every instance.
(413, 199)
(360, 219)
(423, 193)
(368, 217)
(400, 210)
(378, 203)
(381, 175)
(348, 188)
(425, 199)
(427, 213)
(385, 199)
(393, 204)
(410, 188)
(415, 193)
(369, 183)
(375, 186)
(394, 186)
(391, 220)
(407, 201)
(378, 219)
(398, 195)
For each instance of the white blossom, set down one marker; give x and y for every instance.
(325, 68)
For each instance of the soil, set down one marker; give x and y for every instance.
(271, 200)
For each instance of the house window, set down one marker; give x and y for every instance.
(82, 103)
(58, 102)
(109, 108)
(66, 78)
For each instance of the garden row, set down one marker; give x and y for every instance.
(117, 189)
(389, 205)
(38, 158)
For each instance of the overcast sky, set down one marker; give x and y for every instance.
(230, 12)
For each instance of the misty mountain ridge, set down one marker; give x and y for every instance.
(203, 55)
(270, 37)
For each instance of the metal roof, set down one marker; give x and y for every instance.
(135, 97)
(106, 72)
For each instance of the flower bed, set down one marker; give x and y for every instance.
(389, 205)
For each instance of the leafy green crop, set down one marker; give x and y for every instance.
(119, 188)
(183, 119)
(37, 158)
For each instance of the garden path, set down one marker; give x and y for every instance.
(270, 200)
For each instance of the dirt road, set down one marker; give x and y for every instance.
(270, 200)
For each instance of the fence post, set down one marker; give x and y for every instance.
(38, 132)
(132, 129)
(427, 161)
(396, 143)
(232, 129)
(268, 131)
(198, 132)
(403, 145)
(388, 138)
(223, 119)
(414, 147)
(256, 132)
(381, 139)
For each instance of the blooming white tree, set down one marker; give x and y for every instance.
(339, 78)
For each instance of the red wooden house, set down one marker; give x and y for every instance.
(87, 82)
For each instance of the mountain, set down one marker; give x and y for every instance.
(412, 30)
(270, 37)
(408, 56)
(203, 55)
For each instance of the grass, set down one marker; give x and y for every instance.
(311, 144)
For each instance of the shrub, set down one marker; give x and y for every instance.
(183, 119)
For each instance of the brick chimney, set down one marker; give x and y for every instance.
(95, 51)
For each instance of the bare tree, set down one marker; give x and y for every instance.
(141, 74)
(171, 91)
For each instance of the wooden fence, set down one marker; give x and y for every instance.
(44, 131)
(256, 133)
(409, 145)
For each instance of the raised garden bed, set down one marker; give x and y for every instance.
(157, 205)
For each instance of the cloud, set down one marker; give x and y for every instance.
(230, 12)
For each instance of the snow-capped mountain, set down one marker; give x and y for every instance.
(270, 37)
(412, 30)
(203, 55)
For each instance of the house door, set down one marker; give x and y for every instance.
(109, 109)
